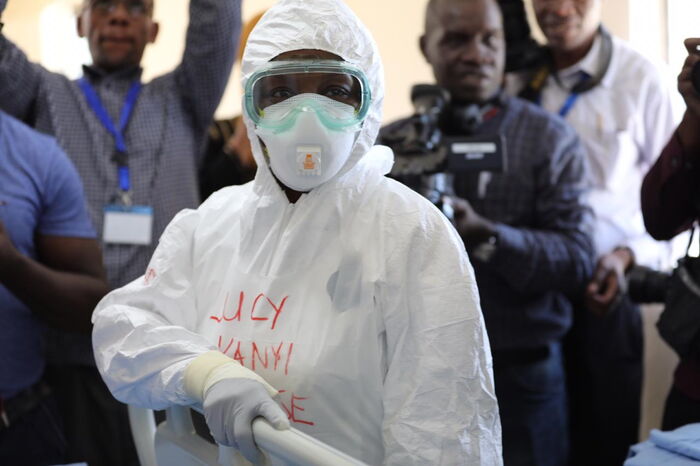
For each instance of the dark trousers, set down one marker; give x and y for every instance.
(96, 425)
(532, 402)
(680, 410)
(604, 369)
(35, 439)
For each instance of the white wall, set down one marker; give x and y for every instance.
(684, 16)
(642, 22)
(396, 25)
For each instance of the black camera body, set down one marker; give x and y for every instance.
(522, 50)
(426, 159)
(646, 285)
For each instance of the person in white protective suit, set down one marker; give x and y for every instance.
(347, 292)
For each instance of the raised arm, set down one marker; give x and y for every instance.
(670, 189)
(20, 79)
(210, 49)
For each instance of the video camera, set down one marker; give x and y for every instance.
(522, 50)
(426, 158)
(646, 285)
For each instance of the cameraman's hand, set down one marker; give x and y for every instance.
(472, 227)
(689, 129)
(608, 284)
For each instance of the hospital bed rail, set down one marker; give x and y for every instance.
(175, 442)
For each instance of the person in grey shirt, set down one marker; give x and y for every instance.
(142, 170)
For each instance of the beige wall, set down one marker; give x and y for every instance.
(615, 16)
(395, 24)
(21, 20)
(397, 39)
(642, 22)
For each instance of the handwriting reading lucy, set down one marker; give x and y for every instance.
(262, 308)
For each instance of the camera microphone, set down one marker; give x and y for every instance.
(419, 137)
(429, 99)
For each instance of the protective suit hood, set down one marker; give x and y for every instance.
(327, 25)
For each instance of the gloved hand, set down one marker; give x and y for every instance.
(231, 405)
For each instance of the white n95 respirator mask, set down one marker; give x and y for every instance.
(308, 115)
(308, 153)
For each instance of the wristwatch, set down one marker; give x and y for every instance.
(485, 250)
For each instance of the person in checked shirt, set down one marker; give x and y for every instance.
(136, 147)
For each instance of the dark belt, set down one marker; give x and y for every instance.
(12, 409)
(519, 357)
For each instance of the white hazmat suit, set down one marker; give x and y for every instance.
(357, 302)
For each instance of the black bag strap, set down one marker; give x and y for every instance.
(693, 227)
(533, 90)
(688, 266)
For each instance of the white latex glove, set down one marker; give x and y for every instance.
(231, 405)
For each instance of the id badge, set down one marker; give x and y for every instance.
(128, 225)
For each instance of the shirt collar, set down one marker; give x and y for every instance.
(590, 64)
(95, 73)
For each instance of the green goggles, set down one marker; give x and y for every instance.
(336, 91)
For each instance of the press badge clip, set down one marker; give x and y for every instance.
(126, 223)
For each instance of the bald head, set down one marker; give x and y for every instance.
(464, 43)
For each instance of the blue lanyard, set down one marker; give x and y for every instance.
(571, 100)
(568, 105)
(118, 133)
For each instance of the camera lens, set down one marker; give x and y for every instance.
(695, 76)
(646, 285)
